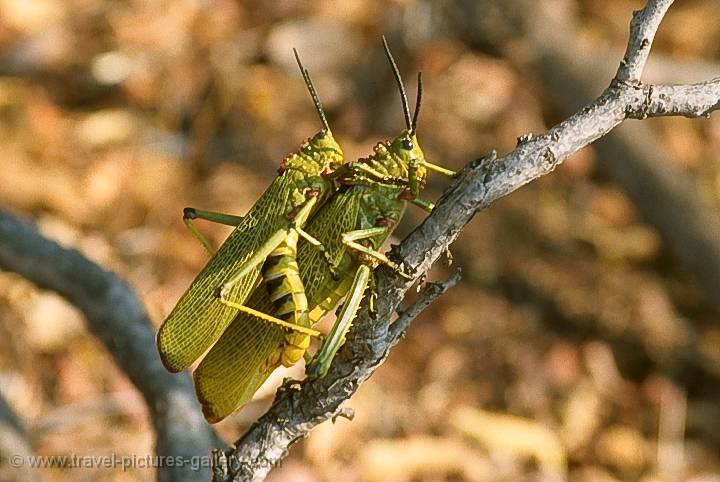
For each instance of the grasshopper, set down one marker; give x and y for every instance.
(352, 227)
(275, 223)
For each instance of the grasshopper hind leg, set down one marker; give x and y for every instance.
(272, 319)
(324, 357)
(190, 213)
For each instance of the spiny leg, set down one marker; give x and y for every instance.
(271, 319)
(257, 258)
(359, 166)
(300, 220)
(308, 237)
(318, 245)
(191, 213)
(321, 363)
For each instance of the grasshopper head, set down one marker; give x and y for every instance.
(323, 147)
(406, 150)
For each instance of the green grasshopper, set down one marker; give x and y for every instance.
(273, 224)
(352, 227)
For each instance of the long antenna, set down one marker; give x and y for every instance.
(398, 79)
(413, 129)
(313, 92)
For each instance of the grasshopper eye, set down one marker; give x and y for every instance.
(407, 144)
(320, 135)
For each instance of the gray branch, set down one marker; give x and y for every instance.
(643, 26)
(300, 406)
(694, 100)
(115, 316)
(430, 293)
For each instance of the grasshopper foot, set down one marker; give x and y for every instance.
(402, 269)
(316, 369)
(404, 274)
(189, 213)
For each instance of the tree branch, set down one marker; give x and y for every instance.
(299, 406)
(430, 293)
(115, 316)
(694, 100)
(643, 26)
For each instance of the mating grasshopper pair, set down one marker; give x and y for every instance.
(303, 280)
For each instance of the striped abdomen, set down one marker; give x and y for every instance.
(282, 277)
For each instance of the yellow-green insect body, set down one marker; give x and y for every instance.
(380, 203)
(379, 208)
(250, 348)
(304, 183)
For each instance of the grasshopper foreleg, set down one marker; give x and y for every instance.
(257, 258)
(318, 245)
(423, 204)
(309, 238)
(439, 169)
(351, 238)
(373, 173)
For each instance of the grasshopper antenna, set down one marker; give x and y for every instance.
(398, 79)
(313, 92)
(413, 128)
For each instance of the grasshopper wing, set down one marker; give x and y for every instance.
(236, 366)
(200, 317)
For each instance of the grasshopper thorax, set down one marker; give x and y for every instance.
(319, 154)
(326, 149)
(400, 160)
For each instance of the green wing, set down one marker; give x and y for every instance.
(235, 367)
(200, 318)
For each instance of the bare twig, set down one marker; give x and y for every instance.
(115, 316)
(643, 26)
(695, 100)
(430, 293)
(299, 406)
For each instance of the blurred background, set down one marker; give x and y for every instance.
(583, 341)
